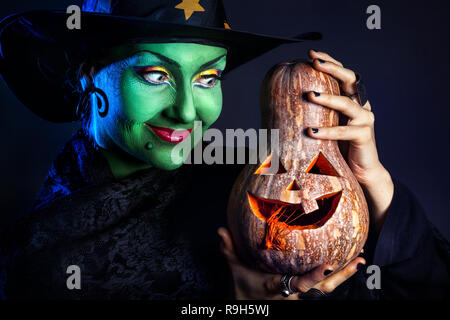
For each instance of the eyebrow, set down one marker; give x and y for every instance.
(176, 64)
(161, 57)
(213, 61)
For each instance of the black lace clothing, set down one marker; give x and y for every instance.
(149, 236)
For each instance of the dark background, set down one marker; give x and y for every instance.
(404, 66)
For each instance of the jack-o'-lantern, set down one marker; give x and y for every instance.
(311, 211)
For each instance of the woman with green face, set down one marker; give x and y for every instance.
(119, 216)
(156, 91)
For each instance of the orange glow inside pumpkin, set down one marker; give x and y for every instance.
(320, 165)
(282, 217)
(264, 168)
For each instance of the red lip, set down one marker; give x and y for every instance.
(170, 135)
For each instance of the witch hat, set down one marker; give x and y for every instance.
(40, 56)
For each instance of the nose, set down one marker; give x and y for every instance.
(183, 109)
(293, 186)
(292, 193)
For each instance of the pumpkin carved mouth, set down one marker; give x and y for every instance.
(293, 215)
(282, 216)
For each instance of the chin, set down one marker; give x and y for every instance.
(163, 164)
(169, 166)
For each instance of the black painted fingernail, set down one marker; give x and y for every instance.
(360, 266)
(327, 272)
(316, 94)
(321, 61)
(315, 130)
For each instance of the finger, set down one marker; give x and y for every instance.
(299, 283)
(336, 279)
(358, 134)
(302, 284)
(324, 56)
(227, 246)
(272, 287)
(346, 76)
(272, 284)
(340, 103)
(367, 106)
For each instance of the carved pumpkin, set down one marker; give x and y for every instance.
(312, 211)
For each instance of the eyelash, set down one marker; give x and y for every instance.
(206, 76)
(142, 71)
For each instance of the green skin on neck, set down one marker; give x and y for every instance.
(167, 85)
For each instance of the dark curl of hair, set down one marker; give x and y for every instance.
(83, 84)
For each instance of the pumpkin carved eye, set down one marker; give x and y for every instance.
(265, 167)
(321, 165)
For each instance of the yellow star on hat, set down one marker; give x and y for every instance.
(189, 7)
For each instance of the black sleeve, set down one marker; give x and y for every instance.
(414, 258)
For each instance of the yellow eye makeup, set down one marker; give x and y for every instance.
(208, 78)
(210, 72)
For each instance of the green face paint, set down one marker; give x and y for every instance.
(154, 89)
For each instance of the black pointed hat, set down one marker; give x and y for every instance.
(40, 55)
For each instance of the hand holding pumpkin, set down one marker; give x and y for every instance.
(362, 156)
(253, 284)
(259, 214)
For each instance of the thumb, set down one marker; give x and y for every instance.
(227, 246)
(367, 106)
